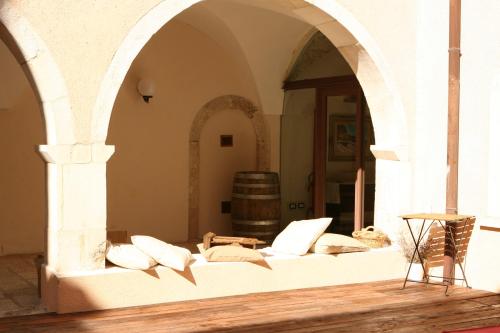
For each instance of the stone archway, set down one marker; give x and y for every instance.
(67, 160)
(226, 102)
(42, 72)
(354, 42)
(332, 19)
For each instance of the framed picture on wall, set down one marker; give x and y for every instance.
(342, 138)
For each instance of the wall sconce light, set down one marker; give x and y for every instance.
(146, 88)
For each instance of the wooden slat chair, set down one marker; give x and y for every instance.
(438, 248)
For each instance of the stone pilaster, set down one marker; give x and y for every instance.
(76, 230)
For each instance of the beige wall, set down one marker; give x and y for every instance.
(22, 171)
(148, 175)
(219, 164)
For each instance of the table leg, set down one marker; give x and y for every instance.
(449, 254)
(452, 236)
(417, 244)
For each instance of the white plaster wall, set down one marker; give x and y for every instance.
(479, 110)
(148, 175)
(23, 212)
(429, 132)
(393, 25)
(219, 164)
(479, 140)
(478, 154)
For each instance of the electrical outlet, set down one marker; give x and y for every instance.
(300, 205)
(292, 205)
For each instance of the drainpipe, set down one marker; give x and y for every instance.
(453, 128)
(453, 107)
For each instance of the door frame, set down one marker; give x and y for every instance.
(335, 86)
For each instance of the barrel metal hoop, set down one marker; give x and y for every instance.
(255, 185)
(259, 222)
(255, 176)
(256, 196)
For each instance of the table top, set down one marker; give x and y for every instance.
(440, 217)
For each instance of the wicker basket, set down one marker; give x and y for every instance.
(372, 237)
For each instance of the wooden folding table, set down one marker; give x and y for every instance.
(452, 243)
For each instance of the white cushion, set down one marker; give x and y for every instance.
(298, 236)
(335, 243)
(165, 254)
(128, 256)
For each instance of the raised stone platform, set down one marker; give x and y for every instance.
(115, 287)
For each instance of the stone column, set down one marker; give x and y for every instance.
(76, 230)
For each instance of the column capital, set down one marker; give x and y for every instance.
(76, 153)
(390, 153)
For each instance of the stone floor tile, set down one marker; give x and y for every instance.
(26, 300)
(10, 284)
(7, 305)
(19, 286)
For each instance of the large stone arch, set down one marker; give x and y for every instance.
(50, 90)
(71, 242)
(359, 49)
(226, 102)
(42, 73)
(328, 16)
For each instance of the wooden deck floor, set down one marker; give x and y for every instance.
(373, 307)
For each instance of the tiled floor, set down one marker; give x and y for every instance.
(18, 286)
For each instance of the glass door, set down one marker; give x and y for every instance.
(343, 133)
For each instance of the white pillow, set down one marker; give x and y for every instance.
(165, 254)
(298, 236)
(128, 256)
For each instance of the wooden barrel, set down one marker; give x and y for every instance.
(255, 206)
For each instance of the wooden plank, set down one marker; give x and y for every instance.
(349, 80)
(359, 192)
(319, 154)
(367, 307)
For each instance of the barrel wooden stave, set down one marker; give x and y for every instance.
(255, 207)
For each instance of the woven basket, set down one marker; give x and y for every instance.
(371, 237)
